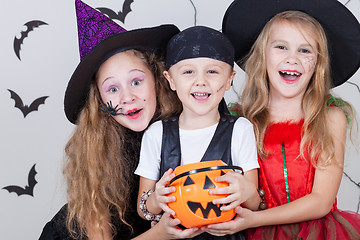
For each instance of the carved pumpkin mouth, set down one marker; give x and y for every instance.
(194, 206)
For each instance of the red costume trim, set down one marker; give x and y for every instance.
(290, 133)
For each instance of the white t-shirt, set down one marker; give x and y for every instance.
(194, 144)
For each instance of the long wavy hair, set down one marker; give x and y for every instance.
(316, 138)
(99, 165)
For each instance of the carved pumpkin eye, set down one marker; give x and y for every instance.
(208, 183)
(188, 181)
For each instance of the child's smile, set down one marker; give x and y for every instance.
(200, 96)
(290, 60)
(290, 75)
(200, 84)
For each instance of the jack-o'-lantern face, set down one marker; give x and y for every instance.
(193, 205)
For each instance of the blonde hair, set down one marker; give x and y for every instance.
(316, 138)
(99, 165)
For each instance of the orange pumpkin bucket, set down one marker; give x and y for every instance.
(193, 205)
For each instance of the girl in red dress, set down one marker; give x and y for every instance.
(303, 50)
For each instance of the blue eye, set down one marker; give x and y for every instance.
(113, 89)
(136, 82)
(280, 47)
(304, 50)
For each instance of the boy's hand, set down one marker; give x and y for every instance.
(237, 190)
(161, 190)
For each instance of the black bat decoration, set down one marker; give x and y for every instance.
(29, 189)
(30, 27)
(25, 109)
(121, 14)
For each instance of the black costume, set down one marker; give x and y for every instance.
(218, 149)
(56, 228)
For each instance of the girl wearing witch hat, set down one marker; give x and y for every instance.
(115, 92)
(293, 53)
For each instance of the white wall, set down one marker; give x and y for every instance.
(49, 55)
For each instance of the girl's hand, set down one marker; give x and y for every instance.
(167, 229)
(161, 190)
(242, 221)
(168, 226)
(239, 190)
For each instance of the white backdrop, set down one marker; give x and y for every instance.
(47, 57)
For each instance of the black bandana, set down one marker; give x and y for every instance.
(197, 42)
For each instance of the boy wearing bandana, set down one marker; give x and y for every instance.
(199, 67)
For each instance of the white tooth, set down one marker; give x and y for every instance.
(290, 73)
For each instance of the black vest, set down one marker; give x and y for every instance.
(218, 149)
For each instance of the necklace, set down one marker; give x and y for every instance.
(285, 174)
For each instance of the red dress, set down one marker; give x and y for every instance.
(282, 141)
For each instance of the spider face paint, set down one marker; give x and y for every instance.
(109, 110)
(290, 61)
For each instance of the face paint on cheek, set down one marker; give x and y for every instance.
(220, 88)
(310, 63)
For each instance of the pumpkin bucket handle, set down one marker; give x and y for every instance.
(204, 170)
